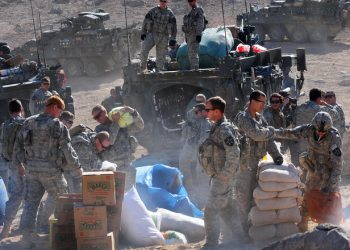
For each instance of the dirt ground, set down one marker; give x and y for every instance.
(328, 67)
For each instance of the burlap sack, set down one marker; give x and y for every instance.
(277, 186)
(294, 192)
(289, 215)
(286, 229)
(260, 194)
(259, 218)
(278, 175)
(262, 233)
(276, 203)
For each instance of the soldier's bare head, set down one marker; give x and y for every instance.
(113, 92)
(102, 141)
(215, 108)
(163, 4)
(54, 106)
(257, 101)
(199, 110)
(99, 113)
(315, 95)
(330, 97)
(192, 3)
(200, 98)
(67, 118)
(45, 83)
(15, 107)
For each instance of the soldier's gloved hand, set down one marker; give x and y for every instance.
(143, 36)
(326, 190)
(198, 39)
(278, 160)
(172, 42)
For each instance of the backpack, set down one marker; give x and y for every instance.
(9, 132)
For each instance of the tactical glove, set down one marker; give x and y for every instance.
(278, 160)
(326, 190)
(143, 36)
(198, 39)
(172, 42)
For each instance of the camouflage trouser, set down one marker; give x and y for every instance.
(193, 48)
(161, 42)
(130, 173)
(15, 190)
(188, 164)
(220, 204)
(244, 185)
(35, 186)
(74, 184)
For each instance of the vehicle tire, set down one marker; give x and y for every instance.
(73, 67)
(298, 35)
(318, 35)
(276, 33)
(93, 67)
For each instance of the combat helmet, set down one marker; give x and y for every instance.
(322, 121)
(5, 49)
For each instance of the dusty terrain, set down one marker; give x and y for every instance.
(328, 64)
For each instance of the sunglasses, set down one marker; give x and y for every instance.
(275, 102)
(98, 115)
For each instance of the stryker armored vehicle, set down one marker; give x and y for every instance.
(20, 81)
(83, 45)
(297, 20)
(163, 98)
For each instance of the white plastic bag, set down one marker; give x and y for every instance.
(172, 238)
(136, 223)
(192, 228)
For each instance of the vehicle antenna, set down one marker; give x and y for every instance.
(41, 38)
(223, 18)
(127, 32)
(36, 39)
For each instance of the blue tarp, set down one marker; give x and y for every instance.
(213, 46)
(3, 199)
(160, 186)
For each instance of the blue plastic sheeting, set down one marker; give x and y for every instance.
(212, 47)
(3, 199)
(160, 186)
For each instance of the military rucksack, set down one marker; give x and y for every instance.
(9, 131)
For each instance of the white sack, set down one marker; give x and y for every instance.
(285, 166)
(258, 193)
(289, 215)
(259, 218)
(136, 223)
(262, 233)
(172, 238)
(192, 228)
(294, 192)
(276, 203)
(286, 229)
(278, 175)
(276, 186)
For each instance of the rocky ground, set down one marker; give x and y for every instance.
(328, 64)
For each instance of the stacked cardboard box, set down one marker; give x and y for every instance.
(97, 217)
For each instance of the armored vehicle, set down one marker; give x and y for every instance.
(83, 45)
(20, 82)
(164, 97)
(297, 20)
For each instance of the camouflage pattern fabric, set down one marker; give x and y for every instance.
(37, 101)
(193, 25)
(340, 124)
(158, 25)
(274, 118)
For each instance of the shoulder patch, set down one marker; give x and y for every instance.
(229, 141)
(336, 150)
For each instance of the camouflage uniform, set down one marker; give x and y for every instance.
(256, 142)
(111, 102)
(37, 101)
(39, 145)
(340, 124)
(224, 161)
(276, 119)
(9, 131)
(122, 146)
(193, 25)
(158, 25)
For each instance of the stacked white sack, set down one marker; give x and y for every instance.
(277, 200)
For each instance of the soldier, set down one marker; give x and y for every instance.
(5, 52)
(9, 130)
(188, 155)
(273, 114)
(219, 156)
(39, 97)
(193, 25)
(38, 151)
(323, 157)
(123, 145)
(257, 141)
(331, 99)
(158, 25)
(114, 100)
(304, 114)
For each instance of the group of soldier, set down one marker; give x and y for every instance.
(45, 153)
(230, 152)
(159, 29)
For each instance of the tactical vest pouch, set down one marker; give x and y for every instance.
(205, 156)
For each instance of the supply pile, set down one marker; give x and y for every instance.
(277, 200)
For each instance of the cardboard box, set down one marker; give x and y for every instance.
(64, 212)
(99, 188)
(119, 180)
(114, 219)
(62, 237)
(90, 221)
(99, 243)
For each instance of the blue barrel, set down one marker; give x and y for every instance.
(3, 199)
